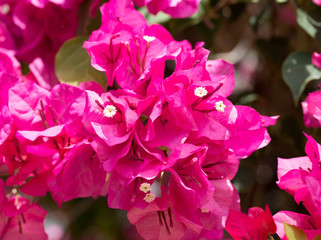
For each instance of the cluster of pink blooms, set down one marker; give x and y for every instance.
(301, 177)
(164, 148)
(311, 106)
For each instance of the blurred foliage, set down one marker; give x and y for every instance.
(263, 39)
(72, 64)
(298, 71)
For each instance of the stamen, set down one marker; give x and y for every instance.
(52, 115)
(5, 229)
(148, 39)
(130, 59)
(20, 225)
(23, 218)
(138, 56)
(170, 217)
(111, 46)
(166, 225)
(160, 218)
(43, 116)
(200, 92)
(110, 111)
(145, 187)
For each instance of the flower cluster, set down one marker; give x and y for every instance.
(311, 106)
(35, 30)
(301, 178)
(176, 9)
(165, 147)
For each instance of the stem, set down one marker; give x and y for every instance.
(5, 229)
(271, 237)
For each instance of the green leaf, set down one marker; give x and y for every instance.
(144, 119)
(72, 64)
(166, 150)
(298, 71)
(307, 23)
(159, 18)
(293, 232)
(317, 237)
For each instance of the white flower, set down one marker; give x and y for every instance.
(145, 187)
(5, 9)
(200, 91)
(149, 38)
(203, 210)
(110, 111)
(149, 197)
(220, 106)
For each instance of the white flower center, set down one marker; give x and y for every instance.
(149, 38)
(149, 197)
(110, 111)
(220, 106)
(5, 9)
(200, 91)
(204, 210)
(145, 187)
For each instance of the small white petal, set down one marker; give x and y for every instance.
(220, 106)
(149, 38)
(110, 111)
(149, 197)
(204, 210)
(5, 9)
(145, 187)
(200, 92)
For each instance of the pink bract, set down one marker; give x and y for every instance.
(301, 178)
(176, 9)
(302, 221)
(38, 28)
(125, 46)
(50, 138)
(317, 2)
(256, 225)
(311, 108)
(316, 57)
(19, 219)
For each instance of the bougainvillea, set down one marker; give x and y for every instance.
(301, 178)
(160, 135)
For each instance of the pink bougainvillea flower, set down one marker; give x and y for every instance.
(125, 46)
(177, 9)
(302, 221)
(201, 95)
(185, 198)
(50, 138)
(10, 74)
(316, 57)
(257, 225)
(38, 28)
(19, 219)
(317, 2)
(67, 4)
(311, 108)
(301, 178)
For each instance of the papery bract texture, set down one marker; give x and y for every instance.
(257, 225)
(301, 178)
(311, 108)
(175, 8)
(19, 219)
